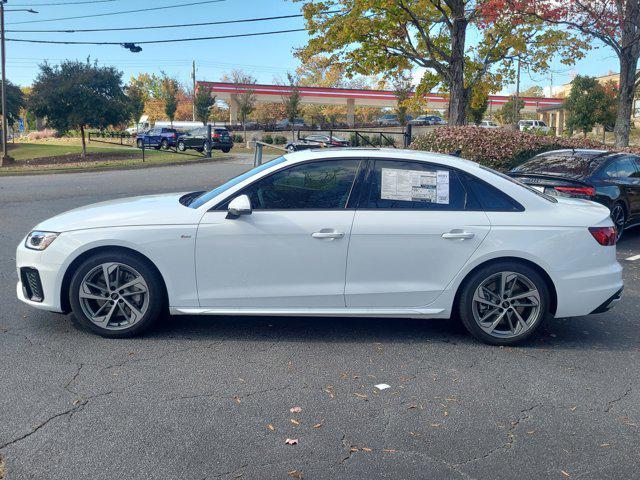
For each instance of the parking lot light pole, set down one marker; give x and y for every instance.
(5, 157)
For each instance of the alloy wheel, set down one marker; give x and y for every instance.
(114, 296)
(181, 146)
(619, 220)
(506, 304)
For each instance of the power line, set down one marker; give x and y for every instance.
(117, 13)
(148, 42)
(121, 29)
(83, 2)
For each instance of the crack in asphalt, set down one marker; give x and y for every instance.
(611, 403)
(70, 411)
(511, 438)
(244, 465)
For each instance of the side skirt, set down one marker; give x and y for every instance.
(317, 312)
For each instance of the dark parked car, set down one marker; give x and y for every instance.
(609, 178)
(286, 124)
(317, 141)
(160, 137)
(428, 120)
(196, 139)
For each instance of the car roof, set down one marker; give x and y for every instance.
(373, 152)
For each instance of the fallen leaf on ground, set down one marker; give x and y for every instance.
(291, 441)
(295, 474)
(295, 422)
(367, 449)
(389, 450)
(414, 434)
(353, 449)
(565, 474)
(361, 395)
(605, 445)
(271, 427)
(435, 425)
(237, 400)
(76, 402)
(317, 425)
(573, 408)
(295, 410)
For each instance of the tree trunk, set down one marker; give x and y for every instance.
(458, 94)
(84, 144)
(628, 65)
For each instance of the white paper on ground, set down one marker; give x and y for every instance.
(382, 386)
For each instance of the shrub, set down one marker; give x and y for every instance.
(267, 138)
(237, 138)
(279, 139)
(497, 148)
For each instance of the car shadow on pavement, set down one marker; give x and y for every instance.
(581, 333)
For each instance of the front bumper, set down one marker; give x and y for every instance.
(50, 279)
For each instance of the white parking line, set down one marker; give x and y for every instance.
(631, 259)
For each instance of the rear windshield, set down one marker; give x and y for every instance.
(169, 130)
(513, 180)
(221, 130)
(564, 164)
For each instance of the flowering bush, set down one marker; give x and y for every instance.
(496, 148)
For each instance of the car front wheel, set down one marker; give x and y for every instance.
(181, 147)
(503, 303)
(116, 294)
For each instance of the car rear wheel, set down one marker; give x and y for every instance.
(116, 294)
(181, 147)
(205, 148)
(165, 144)
(619, 218)
(291, 148)
(226, 150)
(503, 303)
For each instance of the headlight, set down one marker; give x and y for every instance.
(37, 240)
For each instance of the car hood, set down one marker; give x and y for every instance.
(164, 209)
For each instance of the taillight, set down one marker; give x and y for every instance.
(586, 191)
(605, 236)
(216, 135)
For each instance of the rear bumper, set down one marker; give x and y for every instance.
(609, 303)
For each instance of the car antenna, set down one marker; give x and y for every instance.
(456, 153)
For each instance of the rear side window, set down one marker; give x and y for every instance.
(399, 185)
(489, 197)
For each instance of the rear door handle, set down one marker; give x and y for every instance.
(327, 233)
(458, 235)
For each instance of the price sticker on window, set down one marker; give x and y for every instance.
(415, 185)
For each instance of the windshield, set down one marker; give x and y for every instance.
(205, 197)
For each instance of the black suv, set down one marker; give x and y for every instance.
(196, 139)
(609, 178)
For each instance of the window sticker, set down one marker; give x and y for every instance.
(415, 185)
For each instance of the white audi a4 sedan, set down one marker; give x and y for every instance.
(334, 232)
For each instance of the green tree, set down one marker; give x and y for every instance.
(203, 101)
(75, 95)
(244, 96)
(169, 92)
(477, 105)
(136, 102)
(533, 91)
(506, 114)
(291, 101)
(459, 42)
(403, 89)
(584, 104)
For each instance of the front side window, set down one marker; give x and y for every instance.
(322, 185)
(626, 168)
(405, 185)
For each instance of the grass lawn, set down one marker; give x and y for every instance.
(50, 155)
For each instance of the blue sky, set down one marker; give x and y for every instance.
(266, 57)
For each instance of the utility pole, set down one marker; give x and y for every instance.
(516, 110)
(5, 159)
(193, 77)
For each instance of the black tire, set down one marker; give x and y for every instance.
(164, 144)
(156, 293)
(226, 150)
(206, 148)
(619, 218)
(471, 283)
(182, 147)
(140, 143)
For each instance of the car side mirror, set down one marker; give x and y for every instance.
(239, 206)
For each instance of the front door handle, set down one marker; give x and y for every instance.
(458, 235)
(327, 233)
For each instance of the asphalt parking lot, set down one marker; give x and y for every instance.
(210, 397)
